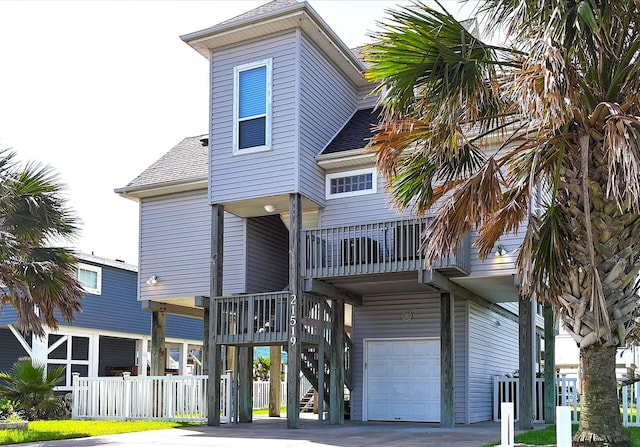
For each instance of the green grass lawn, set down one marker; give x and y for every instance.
(548, 436)
(67, 429)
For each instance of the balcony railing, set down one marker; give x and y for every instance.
(379, 247)
(262, 318)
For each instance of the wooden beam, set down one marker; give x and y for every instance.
(549, 366)
(295, 319)
(173, 309)
(214, 353)
(324, 289)
(201, 301)
(245, 385)
(438, 280)
(336, 376)
(275, 366)
(158, 343)
(525, 391)
(447, 362)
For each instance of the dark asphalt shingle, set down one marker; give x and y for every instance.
(356, 133)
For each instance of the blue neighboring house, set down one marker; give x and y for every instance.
(109, 336)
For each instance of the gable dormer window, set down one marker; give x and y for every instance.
(252, 107)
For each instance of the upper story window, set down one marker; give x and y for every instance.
(351, 183)
(90, 277)
(252, 107)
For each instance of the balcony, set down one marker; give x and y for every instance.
(262, 319)
(379, 247)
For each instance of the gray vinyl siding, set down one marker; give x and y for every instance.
(11, 349)
(358, 209)
(381, 317)
(327, 101)
(175, 235)
(272, 172)
(493, 350)
(267, 254)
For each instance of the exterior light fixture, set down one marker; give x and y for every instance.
(500, 250)
(269, 208)
(152, 280)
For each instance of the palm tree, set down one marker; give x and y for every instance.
(38, 278)
(542, 131)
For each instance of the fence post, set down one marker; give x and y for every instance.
(563, 427)
(75, 395)
(506, 424)
(126, 401)
(625, 406)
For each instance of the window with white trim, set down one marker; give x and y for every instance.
(351, 183)
(252, 107)
(90, 277)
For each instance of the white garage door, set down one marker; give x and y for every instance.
(402, 380)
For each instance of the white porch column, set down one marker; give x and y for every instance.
(143, 349)
(94, 355)
(39, 349)
(184, 355)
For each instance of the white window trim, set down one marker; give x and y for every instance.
(374, 183)
(236, 110)
(98, 270)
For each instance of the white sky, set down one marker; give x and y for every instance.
(101, 89)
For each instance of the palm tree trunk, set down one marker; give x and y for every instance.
(600, 423)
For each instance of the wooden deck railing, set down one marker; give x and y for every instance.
(378, 247)
(262, 318)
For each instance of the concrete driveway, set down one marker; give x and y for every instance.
(264, 432)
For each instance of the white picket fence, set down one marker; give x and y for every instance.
(261, 394)
(506, 389)
(173, 398)
(630, 397)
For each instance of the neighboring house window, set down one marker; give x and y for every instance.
(252, 107)
(90, 277)
(351, 183)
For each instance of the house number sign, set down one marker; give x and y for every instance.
(293, 319)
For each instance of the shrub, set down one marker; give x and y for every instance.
(29, 388)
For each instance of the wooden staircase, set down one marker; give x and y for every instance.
(307, 401)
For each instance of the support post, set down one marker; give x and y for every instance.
(158, 343)
(245, 387)
(336, 376)
(275, 382)
(549, 366)
(205, 341)
(526, 382)
(294, 353)
(447, 370)
(213, 356)
(319, 395)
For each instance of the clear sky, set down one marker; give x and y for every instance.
(101, 89)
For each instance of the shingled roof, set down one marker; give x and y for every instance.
(356, 133)
(262, 9)
(187, 161)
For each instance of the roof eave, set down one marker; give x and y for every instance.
(345, 159)
(162, 188)
(289, 17)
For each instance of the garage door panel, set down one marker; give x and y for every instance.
(403, 380)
